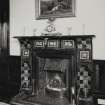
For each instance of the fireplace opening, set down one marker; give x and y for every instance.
(53, 79)
(56, 77)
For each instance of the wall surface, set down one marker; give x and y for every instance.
(90, 19)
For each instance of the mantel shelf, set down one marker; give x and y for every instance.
(54, 37)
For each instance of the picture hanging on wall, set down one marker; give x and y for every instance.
(54, 8)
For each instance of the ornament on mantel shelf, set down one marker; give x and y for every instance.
(24, 30)
(34, 31)
(50, 29)
(69, 29)
(83, 29)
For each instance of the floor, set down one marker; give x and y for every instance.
(2, 103)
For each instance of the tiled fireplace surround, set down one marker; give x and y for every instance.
(55, 70)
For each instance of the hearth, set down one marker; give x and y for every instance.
(55, 70)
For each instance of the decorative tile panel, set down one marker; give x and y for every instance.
(84, 55)
(26, 65)
(67, 44)
(53, 43)
(84, 80)
(39, 43)
(26, 53)
(84, 43)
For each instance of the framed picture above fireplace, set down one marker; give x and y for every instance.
(54, 8)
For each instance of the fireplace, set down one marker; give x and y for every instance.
(55, 70)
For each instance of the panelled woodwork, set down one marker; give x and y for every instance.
(99, 85)
(10, 71)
